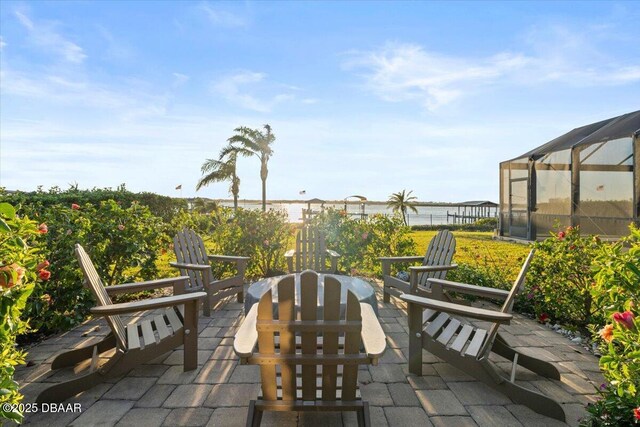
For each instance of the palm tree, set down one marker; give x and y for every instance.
(253, 142)
(402, 201)
(223, 169)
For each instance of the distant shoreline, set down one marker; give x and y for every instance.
(329, 202)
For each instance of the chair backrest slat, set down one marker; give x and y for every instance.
(266, 346)
(351, 346)
(507, 306)
(286, 312)
(439, 252)
(330, 339)
(189, 249)
(94, 283)
(309, 340)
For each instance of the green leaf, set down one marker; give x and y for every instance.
(4, 227)
(7, 211)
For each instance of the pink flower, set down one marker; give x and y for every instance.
(44, 264)
(365, 235)
(625, 319)
(120, 227)
(43, 229)
(75, 206)
(44, 274)
(561, 235)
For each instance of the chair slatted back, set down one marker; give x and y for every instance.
(507, 306)
(94, 283)
(311, 250)
(189, 249)
(439, 252)
(302, 321)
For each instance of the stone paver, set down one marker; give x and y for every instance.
(144, 417)
(160, 393)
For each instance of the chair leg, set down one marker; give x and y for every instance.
(207, 303)
(385, 296)
(364, 420)
(241, 295)
(254, 417)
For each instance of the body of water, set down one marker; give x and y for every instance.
(427, 215)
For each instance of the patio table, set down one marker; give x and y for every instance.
(361, 288)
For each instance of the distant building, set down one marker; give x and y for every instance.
(589, 177)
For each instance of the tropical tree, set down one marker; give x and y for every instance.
(223, 169)
(401, 202)
(254, 142)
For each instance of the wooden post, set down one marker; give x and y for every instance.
(415, 338)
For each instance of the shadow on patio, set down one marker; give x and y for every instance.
(217, 393)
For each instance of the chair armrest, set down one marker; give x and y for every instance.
(462, 310)
(228, 258)
(149, 304)
(333, 254)
(373, 337)
(465, 288)
(395, 259)
(190, 266)
(289, 253)
(247, 334)
(141, 286)
(427, 268)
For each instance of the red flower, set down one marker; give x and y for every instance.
(44, 274)
(42, 228)
(44, 264)
(636, 413)
(561, 235)
(625, 319)
(75, 206)
(543, 318)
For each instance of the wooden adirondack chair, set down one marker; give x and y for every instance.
(128, 346)
(444, 330)
(193, 261)
(306, 343)
(435, 264)
(311, 252)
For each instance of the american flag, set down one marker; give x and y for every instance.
(302, 192)
(179, 187)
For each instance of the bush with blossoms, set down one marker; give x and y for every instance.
(123, 243)
(21, 268)
(617, 290)
(560, 280)
(361, 241)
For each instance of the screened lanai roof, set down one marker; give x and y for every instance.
(614, 128)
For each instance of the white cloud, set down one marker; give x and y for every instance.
(234, 89)
(2, 43)
(44, 34)
(222, 18)
(403, 71)
(179, 79)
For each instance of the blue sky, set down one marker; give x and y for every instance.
(364, 98)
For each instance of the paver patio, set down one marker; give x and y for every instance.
(218, 391)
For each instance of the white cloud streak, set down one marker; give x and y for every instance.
(234, 89)
(222, 18)
(404, 71)
(44, 35)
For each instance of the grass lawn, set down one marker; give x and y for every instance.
(478, 248)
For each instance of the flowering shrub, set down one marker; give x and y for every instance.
(360, 242)
(617, 290)
(560, 279)
(123, 243)
(20, 266)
